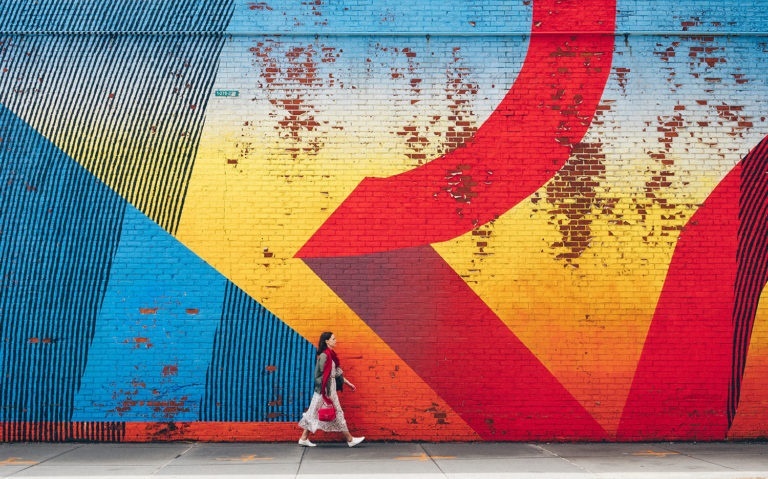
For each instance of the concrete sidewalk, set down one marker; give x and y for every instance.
(722, 460)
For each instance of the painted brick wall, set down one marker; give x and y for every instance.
(523, 220)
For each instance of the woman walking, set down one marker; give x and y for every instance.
(327, 373)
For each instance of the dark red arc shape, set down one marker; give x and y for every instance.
(688, 380)
(524, 142)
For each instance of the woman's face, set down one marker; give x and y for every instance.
(331, 342)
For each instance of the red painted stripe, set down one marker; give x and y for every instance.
(41, 431)
(429, 316)
(695, 350)
(521, 145)
(680, 387)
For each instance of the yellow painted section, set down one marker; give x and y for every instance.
(250, 206)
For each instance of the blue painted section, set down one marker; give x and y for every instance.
(448, 69)
(176, 341)
(154, 334)
(690, 16)
(379, 17)
(460, 17)
(59, 228)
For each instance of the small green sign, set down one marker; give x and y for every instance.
(231, 93)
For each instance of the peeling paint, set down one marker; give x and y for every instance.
(572, 198)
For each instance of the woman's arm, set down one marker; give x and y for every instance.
(319, 368)
(346, 381)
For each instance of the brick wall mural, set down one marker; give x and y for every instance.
(524, 220)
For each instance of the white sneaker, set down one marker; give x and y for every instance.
(306, 443)
(355, 441)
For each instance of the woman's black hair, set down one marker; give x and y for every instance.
(321, 344)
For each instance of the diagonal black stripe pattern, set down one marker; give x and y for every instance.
(261, 370)
(752, 260)
(121, 87)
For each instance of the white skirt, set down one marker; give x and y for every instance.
(311, 423)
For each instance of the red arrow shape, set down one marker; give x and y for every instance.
(524, 142)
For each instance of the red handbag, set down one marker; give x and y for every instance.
(327, 412)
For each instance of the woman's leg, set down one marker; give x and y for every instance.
(353, 441)
(304, 439)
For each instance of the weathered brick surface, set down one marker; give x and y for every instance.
(524, 220)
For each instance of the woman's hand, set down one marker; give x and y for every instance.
(352, 386)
